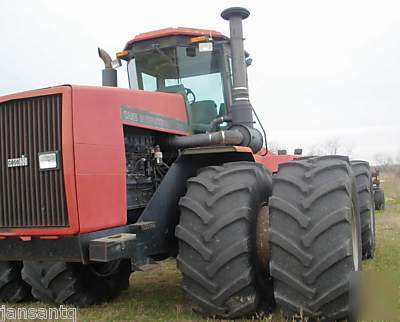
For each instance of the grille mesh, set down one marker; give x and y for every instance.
(30, 197)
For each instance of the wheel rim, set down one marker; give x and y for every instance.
(372, 221)
(262, 240)
(354, 240)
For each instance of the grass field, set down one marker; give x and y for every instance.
(157, 296)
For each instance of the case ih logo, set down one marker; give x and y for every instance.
(131, 114)
(18, 162)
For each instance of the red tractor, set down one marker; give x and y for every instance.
(97, 182)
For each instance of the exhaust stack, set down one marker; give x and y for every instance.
(109, 74)
(241, 109)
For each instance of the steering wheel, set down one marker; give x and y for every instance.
(189, 92)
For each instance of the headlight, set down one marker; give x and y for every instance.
(48, 160)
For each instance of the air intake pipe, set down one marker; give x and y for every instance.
(109, 74)
(205, 139)
(241, 110)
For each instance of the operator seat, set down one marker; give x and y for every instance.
(203, 112)
(200, 113)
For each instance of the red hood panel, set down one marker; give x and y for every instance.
(93, 152)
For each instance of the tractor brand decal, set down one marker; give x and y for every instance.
(130, 114)
(17, 162)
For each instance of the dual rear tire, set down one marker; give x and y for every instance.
(314, 235)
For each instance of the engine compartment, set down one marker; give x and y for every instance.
(145, 168)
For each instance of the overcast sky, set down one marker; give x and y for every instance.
(322, 70)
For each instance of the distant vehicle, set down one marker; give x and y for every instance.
(379, 194)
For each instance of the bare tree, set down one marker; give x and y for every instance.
(330, 147)
(384, 161)
(274, 147)
(315, 150)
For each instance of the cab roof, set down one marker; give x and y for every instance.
(168, 32)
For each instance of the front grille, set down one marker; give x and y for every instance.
(30, 197)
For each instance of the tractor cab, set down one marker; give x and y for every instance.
(192, 62)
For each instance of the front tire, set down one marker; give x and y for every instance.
(222, 274)
(315, 237)
(75, 283)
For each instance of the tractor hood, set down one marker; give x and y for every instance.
(84, 127)
(157, 111)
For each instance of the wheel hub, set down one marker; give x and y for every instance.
(262, 240)
(355, 239)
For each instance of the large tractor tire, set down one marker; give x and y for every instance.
(13, 288)
(75, 283)
(315, 238)
(362, 173)
(379, 199)
(222, 260)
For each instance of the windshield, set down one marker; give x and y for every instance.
(195, 74)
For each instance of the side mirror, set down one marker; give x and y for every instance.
(248, 61)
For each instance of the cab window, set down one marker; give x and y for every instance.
(195, 74)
